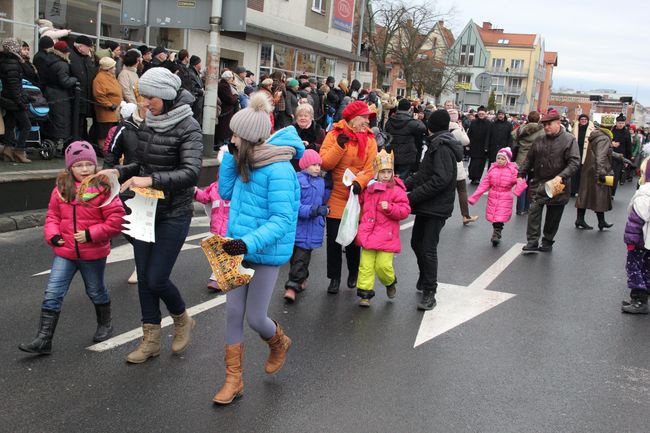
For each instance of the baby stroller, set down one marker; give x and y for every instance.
(38, 111)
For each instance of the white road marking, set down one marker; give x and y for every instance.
(166, 321)
(457, 304)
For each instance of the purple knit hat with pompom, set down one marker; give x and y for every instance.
(79, 151)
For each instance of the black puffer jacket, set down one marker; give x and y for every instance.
(478, 134)
(433, 187)
(622, 136)
(124, 143)
(11, 73)
(172, 159)
(83, 69)
(59, 85)
(407, 134)
(499, 136)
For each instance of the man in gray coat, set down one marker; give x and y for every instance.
(555, 157)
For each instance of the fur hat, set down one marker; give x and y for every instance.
(253, 122)
(310, 157)
(507, 152)
(79, 151)
(383, 161)
(439, 121)
(159, 83)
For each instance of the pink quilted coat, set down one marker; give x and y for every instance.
(64, 219)
(378, 228)
(220, 208)
(499, 180)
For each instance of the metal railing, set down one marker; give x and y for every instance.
(508, 72)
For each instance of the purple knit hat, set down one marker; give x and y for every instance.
(79, 151)
(506, 152)
(310, 157)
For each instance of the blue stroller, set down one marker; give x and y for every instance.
(38, 111)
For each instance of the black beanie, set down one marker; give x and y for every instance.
(404, 104)
(439, 121)
(44, 43)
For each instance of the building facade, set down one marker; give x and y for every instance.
(595, 103)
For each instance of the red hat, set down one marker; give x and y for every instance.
(61, 46)
(550, 116)
(357, 108)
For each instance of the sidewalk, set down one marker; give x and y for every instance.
(25, 190)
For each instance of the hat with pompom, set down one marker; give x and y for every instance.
(507, 152)
(253, 123)
(79, 151)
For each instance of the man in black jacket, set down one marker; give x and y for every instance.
(478, 134)
(432, 191)
(199, 88)
(407, 134)
(14, 101)
(499, 135)
(621, 143)
(83, 68)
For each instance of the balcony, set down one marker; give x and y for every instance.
(507, 72)
(463, 86)
(516, 90)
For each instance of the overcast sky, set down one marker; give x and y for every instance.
(600, 44)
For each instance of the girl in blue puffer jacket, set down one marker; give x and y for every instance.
(311, 222)
(264, 195)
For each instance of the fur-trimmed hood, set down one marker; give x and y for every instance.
(58, 54)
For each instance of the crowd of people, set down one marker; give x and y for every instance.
(296, 158)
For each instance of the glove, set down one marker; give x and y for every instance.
(341, 140)
(314, 210)
(323, 210)
(356, 188)
(235, 247)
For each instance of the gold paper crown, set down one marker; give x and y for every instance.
(383, 161)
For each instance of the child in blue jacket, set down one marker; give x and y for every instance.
(311, 222)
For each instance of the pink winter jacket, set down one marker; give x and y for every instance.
(499, 180)
(64, 219)
(220, 208)
(378, 228)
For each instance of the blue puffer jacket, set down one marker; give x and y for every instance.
(264, 211)
(309, 233)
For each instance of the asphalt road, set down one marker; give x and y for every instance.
(557, 357)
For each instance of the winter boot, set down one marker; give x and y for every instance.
(638, 303)
(602, 224)
(183, 325)
(391, 290)
(333, 288)
(352, 281)
(428, 301)
(8, 154)
(496, 237)
(149, 346)
(279, 345)
(42, 344)
(21, 156)
(234, 384)
(104, 323)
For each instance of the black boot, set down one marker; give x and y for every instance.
(42, 344)
(496, 236)
(391, 290)
(104, 323)
(352, 281)
(334, 286)
(638, 303)
(580, 220)
(602, 224)
(428, 301)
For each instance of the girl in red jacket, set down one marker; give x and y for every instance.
(384, 204)
(79, 228)
(500, 179)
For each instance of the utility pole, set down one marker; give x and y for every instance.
(363, 12)
(211, 78)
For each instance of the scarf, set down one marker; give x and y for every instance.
(167, 121)
(360, 138)
(267, 154)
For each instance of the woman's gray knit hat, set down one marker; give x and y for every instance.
(159, 83)
(253, 123)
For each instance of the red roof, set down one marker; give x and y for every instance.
(550, 57)
(449, 36)
(496, 37)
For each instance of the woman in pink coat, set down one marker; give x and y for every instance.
(383, 205)
(499, 180)
(219, 212)
(79, 228)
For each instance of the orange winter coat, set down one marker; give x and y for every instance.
(337, 160)
(107, 92)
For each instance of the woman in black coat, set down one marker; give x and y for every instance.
(310, 132)
(59, 92)
(229, 106)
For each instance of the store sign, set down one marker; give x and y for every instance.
(343, 14)
(186, 4)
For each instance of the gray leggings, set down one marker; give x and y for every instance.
(253, 302)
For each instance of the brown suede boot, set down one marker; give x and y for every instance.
(234, 385)
(149, 346)
(21, 156)
(8, 154)
(279, 345)
(183, 325)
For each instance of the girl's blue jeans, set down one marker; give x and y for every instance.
(63, 270)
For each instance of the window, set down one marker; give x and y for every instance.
(111, 27)
(463, 54)
(464, 78)
(515, 84)
(400, 74)
(326, 67)
(317, 6)
(470, 58)
(284, 58)
(517, 64)
(512, 101)
(401, 92)
(498, 63)
(503, 41)
(498, 83)
(306, 63)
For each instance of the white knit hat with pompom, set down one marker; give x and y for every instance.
(253, 123)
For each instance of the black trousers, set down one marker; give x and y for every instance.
(551, 224)
(476, 167)
(16, 120)
(299, 267)
(424, 242)
(617, 167)
(334, 250)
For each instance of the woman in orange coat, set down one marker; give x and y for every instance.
(108, 95)
(350, 144)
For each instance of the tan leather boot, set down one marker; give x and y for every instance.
(279, 345)
(8, 154)
(234, 385)
(183, 325)
(149, 346)
(21, 156)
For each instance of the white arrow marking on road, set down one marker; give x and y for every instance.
(457, 304)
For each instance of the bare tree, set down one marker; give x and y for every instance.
(435, 76)
(384, 20)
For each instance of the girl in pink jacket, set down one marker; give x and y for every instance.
(219, 212)
(499, 180)
(383, 205)
(79, 228)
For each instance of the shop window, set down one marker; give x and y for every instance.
(77, 15)
(265, 57)
(284, 58)
(111, 27)
(166, 37)
(306, 63)
(326, 67)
